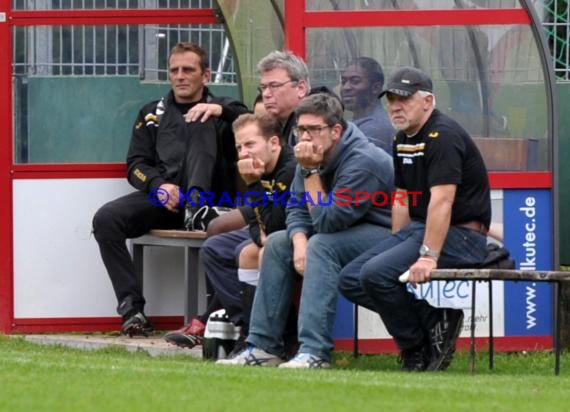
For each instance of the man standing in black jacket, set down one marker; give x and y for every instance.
(181, 143)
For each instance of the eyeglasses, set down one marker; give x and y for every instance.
(313, 131)
(273, 86)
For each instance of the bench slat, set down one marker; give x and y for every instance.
(182, 234)
(499, 274)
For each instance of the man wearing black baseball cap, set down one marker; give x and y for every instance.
(406, 81)
(444, 226)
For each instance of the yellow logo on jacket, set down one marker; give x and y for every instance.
(140, 175)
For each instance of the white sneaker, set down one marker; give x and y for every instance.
(252, 356)
(306, 361)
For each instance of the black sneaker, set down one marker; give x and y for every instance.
(198, 218)
(414, 359)
(443, 336)
(188, 336)
(191, 209)
(137, 325)
(189, 214)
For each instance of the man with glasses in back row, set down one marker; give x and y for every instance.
(321, 237)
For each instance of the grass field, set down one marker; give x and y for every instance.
(53, 378)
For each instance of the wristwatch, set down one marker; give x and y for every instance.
(426, 251)
(309, 172)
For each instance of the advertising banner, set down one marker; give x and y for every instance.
(528, 236)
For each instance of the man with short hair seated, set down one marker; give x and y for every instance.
(267, 165)
(324, 233)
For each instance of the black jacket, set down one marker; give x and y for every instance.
(268, 214)
(287, 130)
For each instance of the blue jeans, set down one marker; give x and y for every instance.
(371, 280)
(327, 253)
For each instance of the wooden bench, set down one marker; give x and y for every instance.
(488, 275)
(194, 277)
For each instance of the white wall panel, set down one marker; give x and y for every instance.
(58, 271)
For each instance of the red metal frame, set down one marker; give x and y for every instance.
(390, 18)
(295, 26)
(10, 171)
(6, 225)
(500, 343)
(497, 180)
(106, 324)
(115, 16)
(69, 171)
(366, 346)
(520, 180)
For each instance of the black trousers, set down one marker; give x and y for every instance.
(202, 159)
(124, 218)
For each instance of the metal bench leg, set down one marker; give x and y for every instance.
(557, 320)
(356, 352)
(191, 258)
(472, 344)
(491, 336)
(138, 262)
(194, 284)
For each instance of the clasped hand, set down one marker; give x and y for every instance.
(308, 155)
(251, 169)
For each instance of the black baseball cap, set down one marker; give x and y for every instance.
(406, 81)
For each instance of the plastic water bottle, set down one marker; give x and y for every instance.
(220, 336)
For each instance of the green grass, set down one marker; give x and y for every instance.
(54, 378)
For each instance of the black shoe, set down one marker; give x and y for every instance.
(198, 218)
(414, 359)
(188, 336)
(189, 213)
(191, 208)
(137, 325)
(443, 336)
